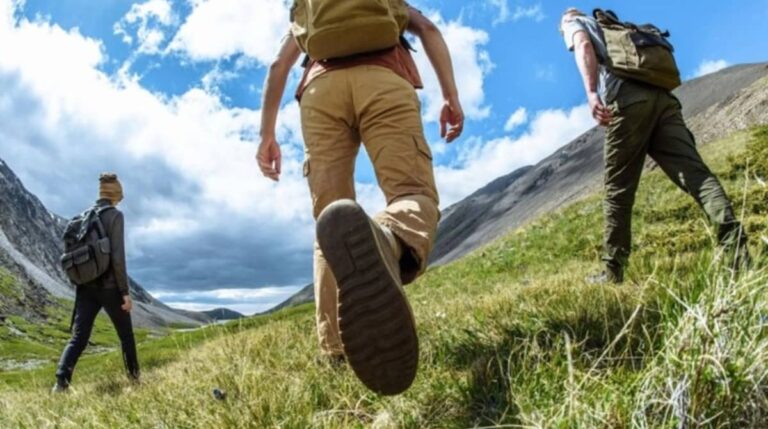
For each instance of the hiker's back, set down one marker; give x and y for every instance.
(108, 218)
(88, 247)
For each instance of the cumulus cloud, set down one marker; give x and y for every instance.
(471, 63)
(217, 29)
(244, 301)
(505, 14)
(149, 21)
(194, 197)
(200, 217)
(480, 162)
(254, 28)
(518, 118)
(710, 66)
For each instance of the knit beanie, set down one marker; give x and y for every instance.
(110, 188)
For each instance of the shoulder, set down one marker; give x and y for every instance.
(576, 23)
(111, 215)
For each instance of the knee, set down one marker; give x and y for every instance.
(619, 199)
(322, 200)
(78, 342)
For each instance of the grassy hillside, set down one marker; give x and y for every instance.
(37, 341)
(511, 335)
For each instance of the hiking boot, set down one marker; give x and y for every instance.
(378, 331)
(611, 275)
(334, 361)
(738, 259)
(61, 386)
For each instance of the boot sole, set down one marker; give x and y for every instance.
(378, 331)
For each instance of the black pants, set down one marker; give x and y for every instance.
(87, 305)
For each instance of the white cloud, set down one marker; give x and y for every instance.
(534, 12)
(149, 19)
(186, 162)
(471, 64)
(192, 185)
(244, 301)
(480, 162)
(505, 14)
(546, 73)
(221, 28)
(518, 118)
(710, 66)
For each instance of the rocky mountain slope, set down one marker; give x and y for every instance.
(305, 295)
(714, 106)
(30, 247)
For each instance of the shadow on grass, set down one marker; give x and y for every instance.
(607, 327)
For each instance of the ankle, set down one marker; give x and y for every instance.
(394, 242)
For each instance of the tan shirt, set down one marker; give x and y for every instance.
(397, 59)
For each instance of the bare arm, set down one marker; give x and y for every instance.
(269, 156)
(440, 58)
(586, 60)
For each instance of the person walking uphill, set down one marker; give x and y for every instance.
(361, 87)
(94, 260)
(628, 73)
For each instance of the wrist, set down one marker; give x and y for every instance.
(267, 134)
(450, 97)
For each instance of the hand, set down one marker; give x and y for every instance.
(451, 120)
(269, 157)
(601, 113)
(127, 304)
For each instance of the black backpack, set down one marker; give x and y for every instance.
(86, 247)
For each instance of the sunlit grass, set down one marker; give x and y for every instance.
(510, 335)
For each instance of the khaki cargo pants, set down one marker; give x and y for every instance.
(368, 104)
(649, 120)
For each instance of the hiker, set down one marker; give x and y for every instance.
(104, 287)
(630, 95)
(361, 88)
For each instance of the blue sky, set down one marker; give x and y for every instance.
(167, 93)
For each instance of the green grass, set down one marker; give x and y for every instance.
(510, 335)
(40, 338)
(8, 286)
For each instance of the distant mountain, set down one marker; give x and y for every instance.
(30, 247)
(305, 295)
(714, 106)
(219, 314)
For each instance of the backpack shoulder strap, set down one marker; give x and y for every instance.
(406, 44)
(85, 219)
(606, 17)
(97, 220)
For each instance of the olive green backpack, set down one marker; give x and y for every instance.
(639, 52)
(327, 29)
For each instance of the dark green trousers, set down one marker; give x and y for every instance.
(649, 120)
